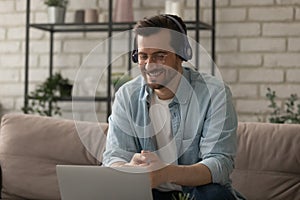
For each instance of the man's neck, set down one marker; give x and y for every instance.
(168, 92)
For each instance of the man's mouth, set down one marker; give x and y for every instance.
(154, 73)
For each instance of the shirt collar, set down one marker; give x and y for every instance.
(184, 89)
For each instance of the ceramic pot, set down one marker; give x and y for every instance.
(79, 16)
(56, 15)
(91, 16)
(123, 11)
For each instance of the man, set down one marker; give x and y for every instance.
(172, 120)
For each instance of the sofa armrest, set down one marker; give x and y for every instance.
(32, 146)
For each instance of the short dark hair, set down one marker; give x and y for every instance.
(163, 21)
(160, 21)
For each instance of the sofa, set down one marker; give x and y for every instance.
(267, 160)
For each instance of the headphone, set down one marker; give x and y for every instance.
(185, 52)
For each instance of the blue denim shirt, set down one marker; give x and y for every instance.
(203, 124)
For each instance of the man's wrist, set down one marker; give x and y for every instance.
(172, 173)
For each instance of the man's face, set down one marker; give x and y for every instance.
(157, 61)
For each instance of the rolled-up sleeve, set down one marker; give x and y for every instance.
(218, 142)
(120, 143)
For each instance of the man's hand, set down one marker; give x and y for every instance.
(157, 169)
(137, 160)
(188, 175)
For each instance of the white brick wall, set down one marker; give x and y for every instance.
(251, 3)
(229, 75)
(227, 45)
(281, 29)
(294, 44)
(238, 29)
(251, 106)
(226, 14)
(10, 47)
(262, 44)
(257, 46)
(78, 46)
(243, 90)
(261, 76)
(12, 19)
(287, 2)
(11, 89)
(282, 60)
(9, 75)
(297, 13)
(293, 75)
(239, 60)
(271, 14)
(6, 6)
(2, 33)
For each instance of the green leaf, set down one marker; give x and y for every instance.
(46, 93)
(286, 115)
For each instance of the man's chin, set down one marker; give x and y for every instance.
(155, 86)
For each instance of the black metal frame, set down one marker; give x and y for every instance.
(109, 27)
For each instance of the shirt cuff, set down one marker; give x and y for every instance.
(215, 169)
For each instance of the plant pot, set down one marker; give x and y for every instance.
(56, 15)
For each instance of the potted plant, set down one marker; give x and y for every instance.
(44, 97)
(56, 10)
(289, 115)
(118, 79)
(183, 196)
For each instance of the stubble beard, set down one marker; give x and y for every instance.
(166, 83)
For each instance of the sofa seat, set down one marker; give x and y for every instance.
(267, 163)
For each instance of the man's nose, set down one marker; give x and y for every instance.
(149, 65)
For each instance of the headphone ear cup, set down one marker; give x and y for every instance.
(188, 52)
(134, 56)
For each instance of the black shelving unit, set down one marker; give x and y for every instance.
(108, 27)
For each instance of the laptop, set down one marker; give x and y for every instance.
(78, 182)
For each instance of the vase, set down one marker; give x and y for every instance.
(56, 15)
(91, 16)
(79, 16)
(123, 11)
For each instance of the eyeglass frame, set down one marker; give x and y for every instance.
(154, 57)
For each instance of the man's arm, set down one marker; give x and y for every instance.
(189, 175)
(185, 175)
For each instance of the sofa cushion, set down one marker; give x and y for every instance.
(268, 161)
(32, 146)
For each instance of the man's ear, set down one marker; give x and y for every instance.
(179, 59)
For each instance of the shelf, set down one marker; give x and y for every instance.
(98, 27)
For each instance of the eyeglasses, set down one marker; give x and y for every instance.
(159, 58)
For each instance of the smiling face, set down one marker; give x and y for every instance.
(159, 65)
